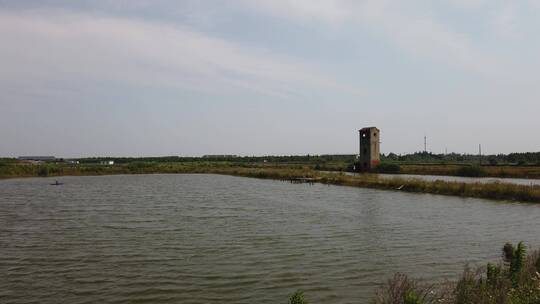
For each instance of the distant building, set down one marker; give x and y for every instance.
(38, 158)
(369, 156)
(107, 162)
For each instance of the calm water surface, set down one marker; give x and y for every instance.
(223, 239)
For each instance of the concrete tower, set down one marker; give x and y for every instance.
(369, 149)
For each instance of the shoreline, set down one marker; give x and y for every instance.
(502, 171)
(492, 191)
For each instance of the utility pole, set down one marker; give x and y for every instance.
(480, 153)
(359, 143)
(425, 144)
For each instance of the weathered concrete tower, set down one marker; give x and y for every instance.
(369, 149)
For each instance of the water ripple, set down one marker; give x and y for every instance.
(221, 239)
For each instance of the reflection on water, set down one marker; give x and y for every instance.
(222, 239)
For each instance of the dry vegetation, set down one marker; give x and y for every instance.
(515, 280)
(488, 171)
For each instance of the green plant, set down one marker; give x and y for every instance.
(298, 298)
(411, 297)
(493, 274)
(515, 259)
(516, 281)
(520, 256)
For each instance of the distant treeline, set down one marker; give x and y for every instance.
(532, 158)
(303, 159)
(527, 158)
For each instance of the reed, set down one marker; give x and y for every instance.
(514, 280)
(471, 170)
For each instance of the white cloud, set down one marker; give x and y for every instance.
(470, 4)
(504, 20)
(332, 11)
(407, 25)
(57, 46)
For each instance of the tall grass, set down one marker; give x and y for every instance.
(401, 289)
(471, 170)
(13, 169)
(515, 280)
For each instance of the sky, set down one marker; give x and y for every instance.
(268, 77)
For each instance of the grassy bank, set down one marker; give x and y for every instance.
(471, 170)
(498, 191)
(13, 169)
(513, 280)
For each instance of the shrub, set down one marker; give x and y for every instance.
(43, 171)
(402, 290)
(470, 171)
(141, 167)
(387, 168)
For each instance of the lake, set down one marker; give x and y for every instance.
(223, 239)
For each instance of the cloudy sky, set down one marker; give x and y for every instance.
(158, 77)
